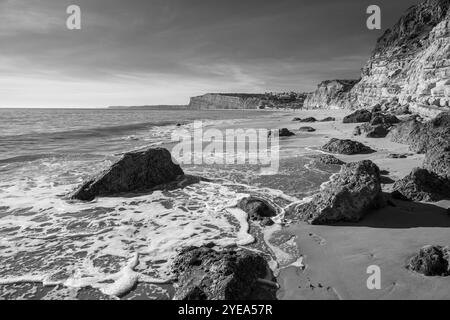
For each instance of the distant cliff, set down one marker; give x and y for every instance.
(247, 101)
(410, 65)
(331, 94)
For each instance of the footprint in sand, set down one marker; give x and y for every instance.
(318, 239)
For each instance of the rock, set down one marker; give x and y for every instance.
(430, 134)
(376, 108)
(437, 159)
(383, 119)
(231, 274)
(358, 116)
(421, 185)
(404, 131)
(378, 131)
(431, 261)
(258, 210)
(347, 147)
(401, 110)
(306, 129)
(327, 159)
(286, 133)
(310, 119)
(135, 171)
(328, 119)
(297, 119)
(398, 155)
(348, 196)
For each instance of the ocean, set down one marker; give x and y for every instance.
(52, 247)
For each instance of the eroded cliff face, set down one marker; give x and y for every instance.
(411, 61)
(410, 65)
(226, 101)
(331, 94)
(247, 101)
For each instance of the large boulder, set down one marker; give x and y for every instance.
(348, 196)
(431, 261)
(437, 159)
(135, 171)
(309, 119)
(383, 118)
(347, 147)
(258, 210)
(231, 274)
(358, 116)
(421, 185)
(284, 132)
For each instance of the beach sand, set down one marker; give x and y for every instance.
(337, 257)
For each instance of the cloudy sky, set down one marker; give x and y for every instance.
(140, 52)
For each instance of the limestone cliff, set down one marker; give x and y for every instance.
(331, 94)
(247, 101)
(410, 65)
(411, 61)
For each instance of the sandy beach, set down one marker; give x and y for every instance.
(336, 257)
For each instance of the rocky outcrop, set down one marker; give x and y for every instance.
(135, 171)
(231, 274)
(330, 94)
(405, 131)
(348, 196)
(258, 210)
(431, 261)
(422, 185)
(347, 147)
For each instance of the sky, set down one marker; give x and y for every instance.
(149, 52)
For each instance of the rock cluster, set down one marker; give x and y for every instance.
(346, 146)
(135, 171)
(231, 274)
(348, 196)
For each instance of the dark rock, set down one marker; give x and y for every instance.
(431, 261)
(385, 119)
(401, 110)
(284, 133)
(398, 155)
(328, 119)
(310, 119)
(135, 171)
(358, 116)
(376, 108)
(258, 210)
(347, 147)
(232, 274)
(348, 196)
(421, 185)
(307, 129)
(437, 159)
(297, 119)
(378, 131)
(328, 159)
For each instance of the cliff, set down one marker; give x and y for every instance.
(410, 64)
(331, 94)
(247, 101)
